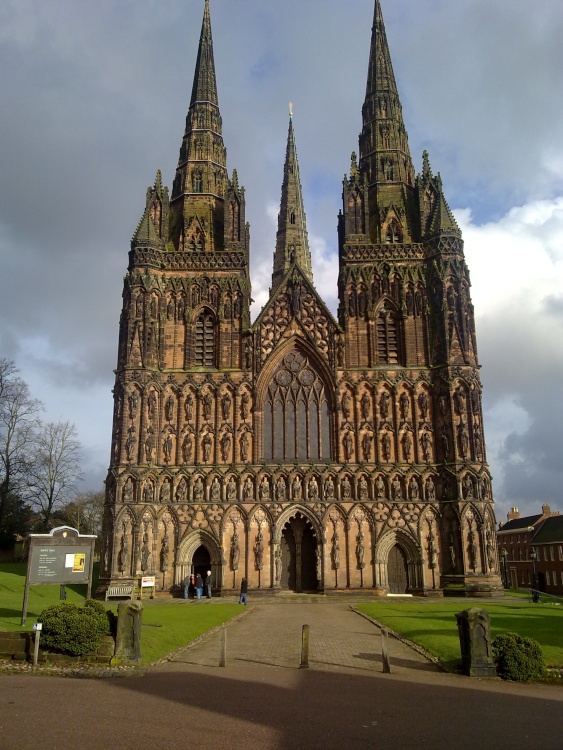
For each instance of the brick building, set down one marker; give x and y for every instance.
(531, 551)
(306, 451)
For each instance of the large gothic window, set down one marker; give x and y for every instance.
(205, 341)
(296, 414)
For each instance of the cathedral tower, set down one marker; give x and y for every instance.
(304, 452)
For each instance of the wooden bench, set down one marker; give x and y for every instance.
(120, 591)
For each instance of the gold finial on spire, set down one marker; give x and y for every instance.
(291, 110)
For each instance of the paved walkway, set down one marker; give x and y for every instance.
(271, 634)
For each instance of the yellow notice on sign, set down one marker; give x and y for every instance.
(79, 563)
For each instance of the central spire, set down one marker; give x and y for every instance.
(292, 242)
(205, 83)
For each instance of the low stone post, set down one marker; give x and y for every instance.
(304, 648)
(474, 626)
(385, 651)
(128, 640)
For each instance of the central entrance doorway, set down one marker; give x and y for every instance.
(201, 562)
(397, 571)
(298, 555)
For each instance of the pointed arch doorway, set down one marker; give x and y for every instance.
(298, 555)
(201, 561)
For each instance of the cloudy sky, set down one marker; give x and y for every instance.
(94, 97)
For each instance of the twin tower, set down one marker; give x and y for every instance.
(304, 452)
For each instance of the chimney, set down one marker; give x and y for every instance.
(546, 509)
(514, 513)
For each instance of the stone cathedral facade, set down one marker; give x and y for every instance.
(305, 452)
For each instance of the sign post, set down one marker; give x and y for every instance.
(63, 556)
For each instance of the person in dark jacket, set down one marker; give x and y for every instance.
(208, 584)
(186, 586)
(243, 592)
(199, 586)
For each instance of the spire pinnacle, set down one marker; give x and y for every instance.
(205, 83)
(292, 242)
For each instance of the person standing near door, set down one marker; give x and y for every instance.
(243, 598)
(208, 584)
(199, 586)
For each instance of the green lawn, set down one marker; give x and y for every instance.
(432, 623)
(166, 627)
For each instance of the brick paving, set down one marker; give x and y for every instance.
(271, 634)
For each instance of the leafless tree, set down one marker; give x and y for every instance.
(55, 469)
(19, 423)
(84, 512)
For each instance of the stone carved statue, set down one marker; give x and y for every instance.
(329, 490)
(169, 409)
(226, 406)
(366, 445)
(206, 445)
(187, 447)
(128, 491)
(335, 551)
(164, 554)
(235, 552)
(259, 552)
(123, 555)
(386, 446)
(189, 407)
(345, 404)
(280, 490)
(225, 444)
(244, 447)
(244, 406)
(423, 405)
(198, 490)
(207, 403)
(313, 490)
(360, 550)
(384, 400)
(265, 490)
(380, 488)
(365, 406)
(145, 553)
(348, 445)
(346, 488)
(181, 492)
(231, 490)
(168, 448)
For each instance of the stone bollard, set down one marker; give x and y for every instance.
(474, 626)
(304, 648)
(385, 651)
(128, 640)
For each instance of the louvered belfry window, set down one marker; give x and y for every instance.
(205, 341)
(387, 338)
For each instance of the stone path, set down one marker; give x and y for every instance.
(271, 633)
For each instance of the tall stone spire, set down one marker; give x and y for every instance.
(292, 242)
(385, 159)
(197, 213)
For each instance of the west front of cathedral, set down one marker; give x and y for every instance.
(305, 452)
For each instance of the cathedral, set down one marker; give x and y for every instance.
(304, 452)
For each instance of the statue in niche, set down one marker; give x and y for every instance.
(380, 488)
(340, 351)
(207, 444)
(297, 490)
(149, 447)
(397, 489)
(346, 488)
(360, 550)
(265, 490)
(244, 405)
(248, 490)
(130, 443)
(404, 406)
(207, 403)
(151, 404)
(280, 490)
(426, 444)
(198, 490)
(463, 439)
(148, 492)
(365, 406)
(231, 490)
(123, 555)
(319, 563)
(445, 442)
(171, 309)
(423, 405)
(133, 405)
(128, 491)
(363, 488)
(313, 490)
(459, 401)
(226, 406)
(432, 551)
(181, 492)
(490, 548)
(413, 490)
(235, 551)
(225, 446)
(248, 352)
(189, 407)
(187, 447)
(475, 397)
(145, 553)
(244, 447)
(164, 553)
(409, 298)
(169, 409)
(472, 547)
(384, 400)
(348, 445)
(478, 442)
(345, 404)
(407, 445)
(335, 551)
(329, 490)
(168, 448)
(216, 491)
(165, 493)
(467, 486)
(443, 404)
(453, 561)
(366, 445)
(430, 490)
(386, 446)
(278, 563)
(139, 307)
(259, 552)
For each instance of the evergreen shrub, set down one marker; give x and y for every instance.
(69, 629)
(518, 658)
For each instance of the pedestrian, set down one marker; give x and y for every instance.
(192, 586)
(199, 586)
(186, 586)
(208, 584)
(243, 592)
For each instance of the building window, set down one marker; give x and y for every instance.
(561, 553)
(552, 553)
(547, 578)
(205, 341)
(292, 218)
(545, 554)
(296, 413)
(387, 337)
